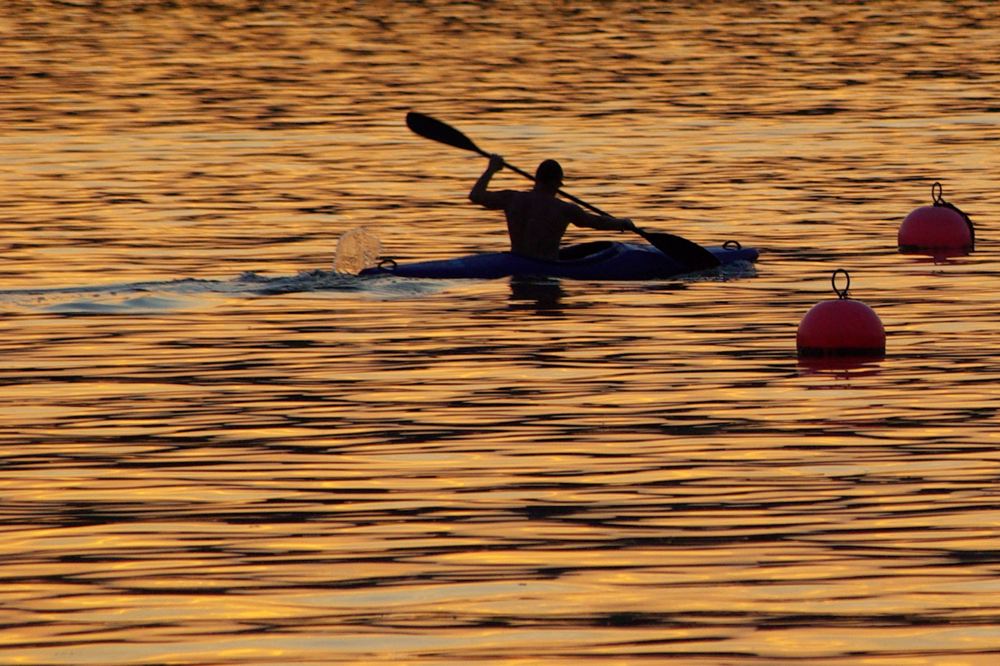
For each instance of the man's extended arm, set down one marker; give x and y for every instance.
(582, 218)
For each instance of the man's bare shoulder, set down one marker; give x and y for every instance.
(572, 212)
(497, 199)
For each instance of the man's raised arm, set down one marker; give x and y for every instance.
(480, 193)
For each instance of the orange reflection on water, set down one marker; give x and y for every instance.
(209, 458)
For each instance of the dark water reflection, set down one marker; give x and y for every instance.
(541, 295)
(215, 450)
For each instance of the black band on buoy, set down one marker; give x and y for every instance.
(937, 194)
(845, 352)
(842, 294)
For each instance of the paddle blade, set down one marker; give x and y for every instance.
(691, 255)
(435, 130)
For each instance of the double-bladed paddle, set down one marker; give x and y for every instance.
(693, 256)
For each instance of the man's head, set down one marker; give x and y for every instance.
(549, 174)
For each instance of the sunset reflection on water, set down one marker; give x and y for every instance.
(218, 451)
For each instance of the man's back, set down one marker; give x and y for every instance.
(536, 222)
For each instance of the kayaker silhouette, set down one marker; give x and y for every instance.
(537, 219)
(684, 256)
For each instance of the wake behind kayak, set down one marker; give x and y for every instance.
(599, 260)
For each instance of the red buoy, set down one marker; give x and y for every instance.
(841, 327)
(937, 229)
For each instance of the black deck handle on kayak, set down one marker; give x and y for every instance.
(732, 245)
(387, 264)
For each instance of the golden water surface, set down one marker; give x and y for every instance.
(216, 450)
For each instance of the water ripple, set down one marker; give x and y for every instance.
(218, 450)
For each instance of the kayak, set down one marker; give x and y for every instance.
(598, 260)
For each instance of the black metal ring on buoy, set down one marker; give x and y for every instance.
(732, 245)
(388, 264)
(937, 194)
(842, 294)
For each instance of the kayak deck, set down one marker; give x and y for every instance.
(598, 260)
